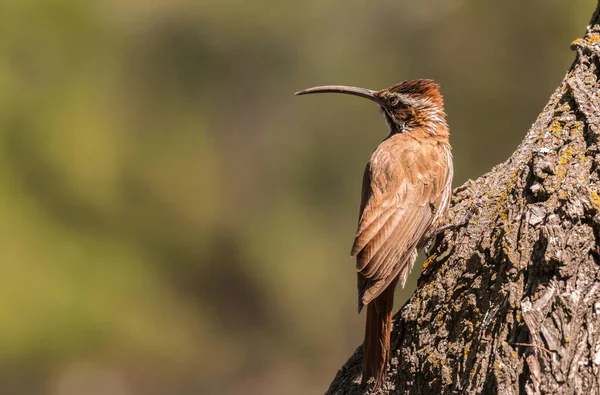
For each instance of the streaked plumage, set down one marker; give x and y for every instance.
(406, 186)
(406, 189)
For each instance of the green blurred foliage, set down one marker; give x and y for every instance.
(175, 221)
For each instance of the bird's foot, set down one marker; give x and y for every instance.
(462, 221)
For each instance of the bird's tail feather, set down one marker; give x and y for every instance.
(376, 347)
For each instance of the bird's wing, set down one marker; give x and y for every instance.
(402, 186)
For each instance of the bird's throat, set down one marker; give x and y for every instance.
(393, 125)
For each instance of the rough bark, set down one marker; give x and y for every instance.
(510, 302)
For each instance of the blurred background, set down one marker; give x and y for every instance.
(175, 221)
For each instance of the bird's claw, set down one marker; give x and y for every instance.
(453, 225)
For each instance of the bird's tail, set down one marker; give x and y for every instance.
(376, 347)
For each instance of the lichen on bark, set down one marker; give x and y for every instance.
(510, 301)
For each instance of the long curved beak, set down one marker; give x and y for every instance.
(348, 90)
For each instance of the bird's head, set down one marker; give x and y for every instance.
(406, 106)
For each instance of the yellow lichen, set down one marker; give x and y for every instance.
(428, 261)
(555, 127)
(504, 215)
(595, 199)
(565, 156)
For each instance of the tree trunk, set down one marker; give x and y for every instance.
(510, 302)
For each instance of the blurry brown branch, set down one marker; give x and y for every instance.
(510, 302)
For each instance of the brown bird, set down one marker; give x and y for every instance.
(405, 192)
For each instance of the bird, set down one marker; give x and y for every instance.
(406, 189)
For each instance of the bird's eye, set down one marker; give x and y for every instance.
(394, 100)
